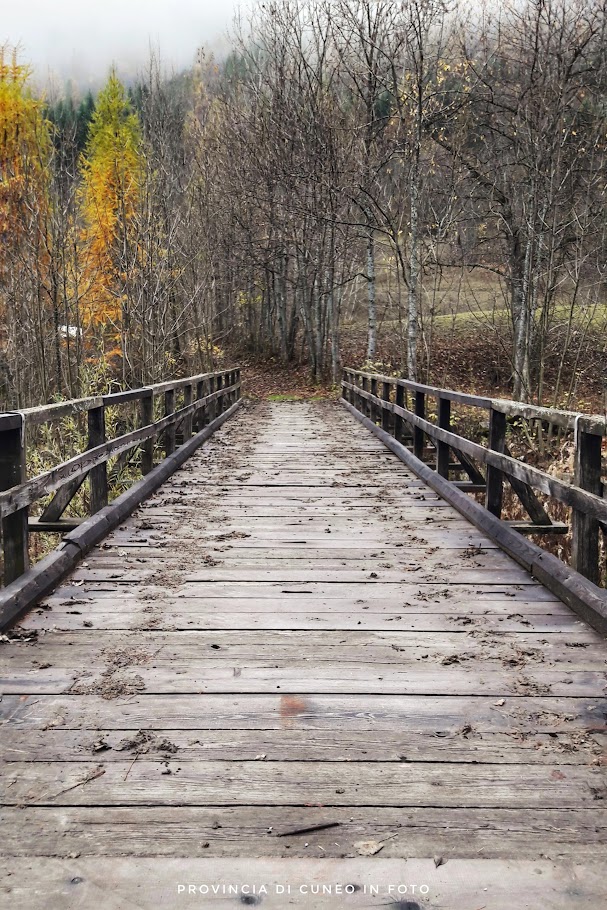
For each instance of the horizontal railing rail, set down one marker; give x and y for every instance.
(384, 399)
(205, 398)
(568, 420)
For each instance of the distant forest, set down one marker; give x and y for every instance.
(352, 164)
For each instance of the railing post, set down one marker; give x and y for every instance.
(238, 393)
(585, 528)
(12, 473)
(494, 495)
(398, 420)
(220, 385)
(442, 449)
(212, 406)
(418, 433)
(365, 403)
(146, 417)
(385, 413)
(374, 409)
(188, 421)
(169, 433)
(98, 474)
(344, 391)
(199, 415)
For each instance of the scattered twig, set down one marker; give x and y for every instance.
(137, 754)
(98, 772)
(308, 829)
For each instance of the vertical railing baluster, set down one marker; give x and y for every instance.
(398, 420)
(442, 449)
(212, 406)
(146, 417)
(418, 433)
(375, 415)
(365, 407)
(220, 385)
(585, 528)
(98, 474)
(385, 413)
(494, 495)
(13, 473)
(188, 420)
(169, 433)
(199, 415)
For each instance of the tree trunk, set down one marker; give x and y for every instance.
(371, 298)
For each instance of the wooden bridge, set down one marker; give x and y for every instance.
(295, 655)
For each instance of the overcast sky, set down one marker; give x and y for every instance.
(80, 39)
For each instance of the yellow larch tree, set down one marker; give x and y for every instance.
(25, 204)
(112, 169)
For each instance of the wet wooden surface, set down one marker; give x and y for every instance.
(295, 635)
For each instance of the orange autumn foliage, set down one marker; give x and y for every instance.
(24, 156)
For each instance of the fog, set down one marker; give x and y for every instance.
(64, 39)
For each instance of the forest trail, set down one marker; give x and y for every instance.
(295, 652)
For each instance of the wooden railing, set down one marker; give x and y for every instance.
(400, 408)
(203, 399)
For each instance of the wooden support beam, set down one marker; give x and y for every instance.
(585, 545)
(467, 464)
(12, 473)
(533, 507)
(61, 526)
(61, 500)
(530, 527)
(469, 487)
(98, 474)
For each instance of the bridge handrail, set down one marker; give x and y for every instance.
(206, 396)
(46, 412)
(567, 420)
(585, 496)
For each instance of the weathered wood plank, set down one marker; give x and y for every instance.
(262, 831)
(507, 574)
(215, 616)
(464, 745)
(300, 680)
(352, 713)
(296, 783)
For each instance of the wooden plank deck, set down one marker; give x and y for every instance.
(296, 654)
